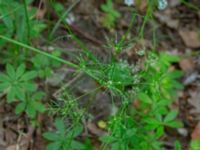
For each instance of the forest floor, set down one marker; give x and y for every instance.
(175, 29)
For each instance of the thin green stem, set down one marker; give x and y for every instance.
(39, 51)
(189, 5)
(27, 20)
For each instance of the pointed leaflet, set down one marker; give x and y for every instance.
(20, 71)
(171, 116)
(28, 76)
(20, 107)
(10, 71)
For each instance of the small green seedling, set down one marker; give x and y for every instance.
(111, 15)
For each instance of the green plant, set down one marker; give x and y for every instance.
(18, 85)
(194, 145)
(43, 65)
(154, 93)
(110, 16)
(141, 92)
(67, 107)
(31, 105)
(127, 134)
(19, 22)
(177, 145)
(17, 82)
(64, 139)
(150, 86)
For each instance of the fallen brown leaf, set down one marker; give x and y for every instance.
(186, 64)
(196, 132)
(190, 38)
(194, 100)
(165, 18)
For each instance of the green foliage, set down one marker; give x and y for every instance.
(194, 145)
(18, 21)
(67, 107)
(154, 92)
(16, 82)
(59, 8)
(43, 65)
(177, 145)
(110, 16)
(15, 21)
(125, 134)
(151, 85)
(18, 85)
(63, 139)
(115, 76)
(31, 105)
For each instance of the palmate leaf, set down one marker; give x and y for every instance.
(16, 82)
(31, 105)
(63, 138)
(34, 106)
